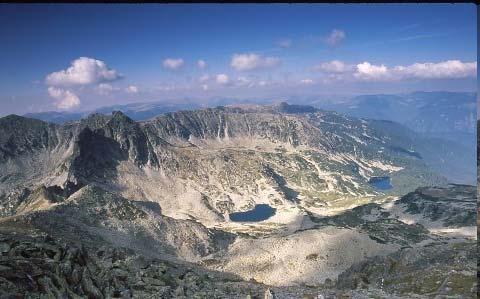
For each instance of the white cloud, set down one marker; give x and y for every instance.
(166, 87)
(131, 89)
(243, 81)
(65, 99)
(251, 61)
(440, 70)
(307, 81)
(204, 78)
(173, 63)
(82, 71)
(201, 64)
(334, 66)
(332, 77)
(285, 43)
(222, 79)
(104, 88)
(369, 72)
(449, 69)
(335, 37)
(205, 87)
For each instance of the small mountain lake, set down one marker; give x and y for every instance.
(380, 182)
(259, 213)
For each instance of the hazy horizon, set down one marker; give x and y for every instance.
(226, 101)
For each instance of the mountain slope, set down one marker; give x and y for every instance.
(220, 160)
(379, 246)
(368, 236)
(163, 190)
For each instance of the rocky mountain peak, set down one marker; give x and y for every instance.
(284, 107)
(119, 116)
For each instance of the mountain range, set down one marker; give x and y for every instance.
(106, 206)
(435, 115)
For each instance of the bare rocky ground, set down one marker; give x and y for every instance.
(38, 266)
(110, 208)
(68, 251)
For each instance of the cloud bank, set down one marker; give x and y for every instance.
(84, 75)
(251, 61)
(334, 66)
(173, 63)
(366, 71)
(441, 70)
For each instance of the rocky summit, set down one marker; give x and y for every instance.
(278, 201)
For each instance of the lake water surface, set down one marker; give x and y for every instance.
(259, 213)
(381, 182)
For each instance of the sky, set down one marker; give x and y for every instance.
(74, 57)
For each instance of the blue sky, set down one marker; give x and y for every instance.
(150, 52)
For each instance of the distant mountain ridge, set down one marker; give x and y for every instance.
(444, 115)
(421, 111)
(136, 111)
(447, 115)
(92, 149)
(450, 115)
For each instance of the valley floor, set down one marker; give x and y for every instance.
(406, 248)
